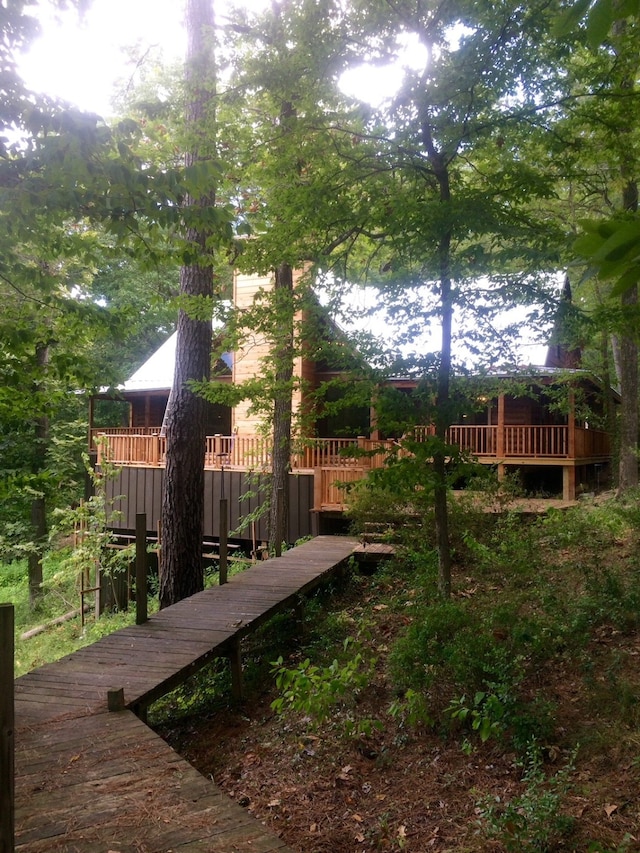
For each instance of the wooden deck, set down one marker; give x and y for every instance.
(88, 779)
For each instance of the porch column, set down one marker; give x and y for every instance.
(571, 423)
(500, 443)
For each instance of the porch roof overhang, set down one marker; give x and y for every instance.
(543, 375)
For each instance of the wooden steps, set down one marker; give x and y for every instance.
(92, 780)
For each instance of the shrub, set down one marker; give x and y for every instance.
(316, 691)
(532, 822)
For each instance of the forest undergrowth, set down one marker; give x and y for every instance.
(505, 719)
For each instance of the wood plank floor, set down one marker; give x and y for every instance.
(92, 780)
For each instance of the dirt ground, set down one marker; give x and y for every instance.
(416, 789)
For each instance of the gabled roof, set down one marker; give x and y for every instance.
(156, 374)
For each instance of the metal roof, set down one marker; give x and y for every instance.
(156, 374)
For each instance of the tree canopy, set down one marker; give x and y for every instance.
(508, 155)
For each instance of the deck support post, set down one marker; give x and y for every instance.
(280, 522)
(235, 662)
(7, 721)
(115, 699)
(224, 541)
(568, 483)
(141, 568)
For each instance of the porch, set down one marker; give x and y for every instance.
(336, 461)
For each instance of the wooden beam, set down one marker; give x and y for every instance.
(224, 545)
(7, 719)
(280, 521)
(141, 568)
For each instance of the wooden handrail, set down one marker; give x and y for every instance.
(547, 441)
(340, 461)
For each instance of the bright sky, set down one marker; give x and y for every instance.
(82, 60)
(85, 62)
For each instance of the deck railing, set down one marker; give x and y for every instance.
(235, 451)
(337, 462)
(592, 443)
(543, 442)
(125, 447)
(475, 439)
(546, 441)
(129, 447)
(339, 453)
(96, 433)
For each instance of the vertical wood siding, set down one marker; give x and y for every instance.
(137, 490)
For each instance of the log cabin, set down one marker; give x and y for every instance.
(518, 425)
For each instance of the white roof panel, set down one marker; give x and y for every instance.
(157, 371)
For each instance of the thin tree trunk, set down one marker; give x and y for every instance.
(181, 565)
(609, 401)
(39, 528)
(283, 369)
(282, 416)
(628, 461)
(441, 510)
(39, 531)
(628, 345)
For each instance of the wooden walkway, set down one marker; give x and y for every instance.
(88, 779)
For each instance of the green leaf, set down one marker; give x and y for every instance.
(587, 245)
(626, 281)
(599, 22)
(628, 8)
(569, 19)
(625, 239)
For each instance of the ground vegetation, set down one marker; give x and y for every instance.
(503, 719)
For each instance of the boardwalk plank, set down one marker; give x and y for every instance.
(90, 781)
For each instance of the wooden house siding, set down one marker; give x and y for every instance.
(137, 490)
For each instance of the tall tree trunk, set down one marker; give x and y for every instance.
(607, 381)
(38, 504)
(441, 511)
(628, 342)
(628, 347)
(283, 355)
(181, 566)
(283, 370)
